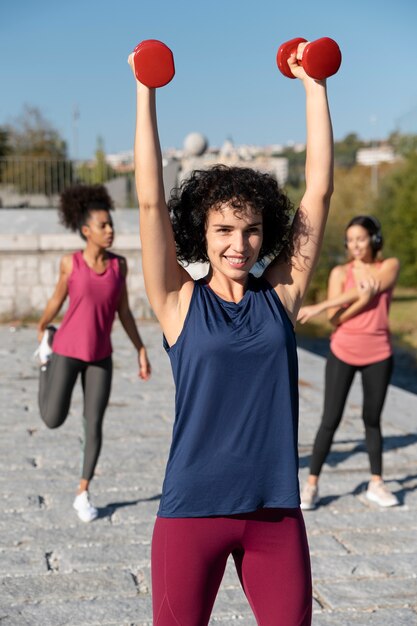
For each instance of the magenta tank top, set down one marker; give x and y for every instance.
(93, 301)
(365, 338)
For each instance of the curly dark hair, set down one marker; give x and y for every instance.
(240, 187)
(77, 202)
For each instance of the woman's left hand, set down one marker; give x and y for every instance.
(144, 364)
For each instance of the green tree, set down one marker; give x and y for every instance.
(346, 149)
(4, 143)
(38, 155)
(101, 170)
(97, 171)
(32, 135)
(4, 151)
(403, 144)
(352, 196)
(397, 210)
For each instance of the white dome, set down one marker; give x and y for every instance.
(195, 144)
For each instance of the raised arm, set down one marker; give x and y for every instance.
(291, 279)
(164, 277)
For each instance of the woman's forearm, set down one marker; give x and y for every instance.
(128, 322)
(319, 157)
(148, 157)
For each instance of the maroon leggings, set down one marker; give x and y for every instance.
(272, 560)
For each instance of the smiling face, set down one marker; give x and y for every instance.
(234, 239)
(99, 229)
(358, 243)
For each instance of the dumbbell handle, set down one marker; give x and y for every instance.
(321, 58)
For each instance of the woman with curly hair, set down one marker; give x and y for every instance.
(95, 281)
(231, 482)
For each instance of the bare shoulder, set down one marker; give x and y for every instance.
(339, 272)
(122, 263)
(391, 263)
(66, 264)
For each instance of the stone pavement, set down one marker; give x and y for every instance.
(55, 570)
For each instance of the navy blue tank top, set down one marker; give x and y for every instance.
(234, 446)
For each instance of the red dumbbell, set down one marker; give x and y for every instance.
(321, 58)
(154, 63)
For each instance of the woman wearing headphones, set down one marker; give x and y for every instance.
(359, 297)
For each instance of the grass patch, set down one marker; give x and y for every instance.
(403, 317)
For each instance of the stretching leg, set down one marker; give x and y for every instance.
(56, 385)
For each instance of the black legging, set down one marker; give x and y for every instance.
(339, 378)
(55, 390)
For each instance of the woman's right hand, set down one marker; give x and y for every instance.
(368, 288)
(131, 63)
(307, 312)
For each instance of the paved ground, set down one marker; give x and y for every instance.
(54, 570)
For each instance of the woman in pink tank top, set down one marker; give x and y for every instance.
(94, 279)
(359, 297)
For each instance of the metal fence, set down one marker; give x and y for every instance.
(49, 177)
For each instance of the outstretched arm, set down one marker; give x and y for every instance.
(291, 279)
(357, 297)
(164, 277)
(312, 310)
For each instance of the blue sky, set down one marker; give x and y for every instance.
(57, 55)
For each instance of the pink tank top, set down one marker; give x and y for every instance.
(93, 300)
(365, 338)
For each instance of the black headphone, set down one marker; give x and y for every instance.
(377, 240)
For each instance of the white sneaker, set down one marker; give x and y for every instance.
(44, 350)
(309, 497)
(379, 493)
(85, 510)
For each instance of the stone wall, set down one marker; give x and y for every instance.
(29, 269)
(32, 243)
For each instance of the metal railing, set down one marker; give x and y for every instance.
(48, 176)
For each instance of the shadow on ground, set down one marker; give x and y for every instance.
(408, 484)
(109, 509)
(335, 457)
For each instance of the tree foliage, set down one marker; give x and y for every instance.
(97, 171)
(31, 135)
(345, 150)
(5, 148)
(37, 159)
(397, 210)
(352, 196)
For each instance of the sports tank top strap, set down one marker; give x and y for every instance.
(77, 259)
(114, 262)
